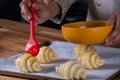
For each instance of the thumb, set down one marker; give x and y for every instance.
(39, 5)
(112, 20)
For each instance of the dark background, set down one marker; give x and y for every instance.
(9, 9)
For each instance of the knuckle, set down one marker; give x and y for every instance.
(21, 3)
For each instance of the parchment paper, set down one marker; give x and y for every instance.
(66, 52)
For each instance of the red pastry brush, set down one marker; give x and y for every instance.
(32, 46)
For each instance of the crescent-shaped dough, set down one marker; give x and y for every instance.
(90, 60)
(26, 63)
(46, 55)
(71, 70)
(82, 48)
(21, 62)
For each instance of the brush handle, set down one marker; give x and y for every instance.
(32, 22)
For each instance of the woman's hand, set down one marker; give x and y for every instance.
(44, 10)
(114, 38)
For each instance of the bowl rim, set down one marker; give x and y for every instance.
(66, 25)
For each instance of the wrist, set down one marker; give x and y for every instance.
(56, 10)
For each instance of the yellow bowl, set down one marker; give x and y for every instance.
(87, 32)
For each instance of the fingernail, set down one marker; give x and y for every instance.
(29, 4)
(33, 5)
(36, 24)
(107, 40)
(29, 17)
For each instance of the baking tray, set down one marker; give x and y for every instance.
(108, 71)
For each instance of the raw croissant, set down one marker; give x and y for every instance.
(90, 60)
(46, 55)
(71, 70)
(27, 63)
(80, 49)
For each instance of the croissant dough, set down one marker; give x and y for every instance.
(46, 55)
(27, 63)
(71, 70)
(81, 48)
(90, 60)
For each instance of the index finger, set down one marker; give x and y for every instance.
(118, 20)
(27, 2)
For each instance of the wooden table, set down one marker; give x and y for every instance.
(14, 36)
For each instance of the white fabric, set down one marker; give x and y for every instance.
(102, 9)
(65, 5)
(97, 9)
